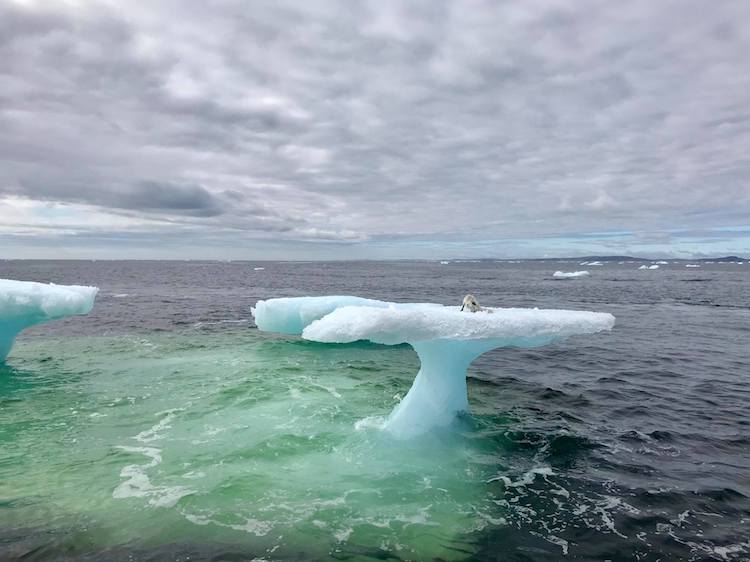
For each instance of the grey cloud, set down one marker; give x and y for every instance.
(383, 120)
(187, 199)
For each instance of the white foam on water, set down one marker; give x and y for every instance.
(525, 479)
(138, 484)
(371, 422)
(343, 535)
(153, 433)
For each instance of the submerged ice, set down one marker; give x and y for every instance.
(445, 339)
(24, 304)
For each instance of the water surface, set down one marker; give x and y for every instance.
(165, 426)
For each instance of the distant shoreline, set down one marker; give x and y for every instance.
(721, 259)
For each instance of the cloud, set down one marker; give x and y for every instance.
(377, 124)
(187, 199)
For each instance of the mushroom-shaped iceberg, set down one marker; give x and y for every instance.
(446, 340)
(24, 303)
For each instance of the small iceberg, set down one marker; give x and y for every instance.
(258, 268)
(570, 274)
(24, 304)
(443, 262)
(662, 262)
(649, 267)
(692, 265)
(445, 339)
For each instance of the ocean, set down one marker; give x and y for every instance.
(165, 426)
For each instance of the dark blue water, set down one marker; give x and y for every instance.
(646, 429)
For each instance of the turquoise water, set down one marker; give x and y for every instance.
(164, 426)
(244, 440)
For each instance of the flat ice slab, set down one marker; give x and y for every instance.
(509, 327)
(24, 303)
(291, 315)
(446, 339)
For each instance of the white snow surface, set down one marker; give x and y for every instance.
(25, 300)
(290, 315)
(416, 323)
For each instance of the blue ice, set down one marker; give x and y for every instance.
(24, 304)
(445, 339)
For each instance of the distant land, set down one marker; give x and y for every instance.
(631, 258)
(723, 259)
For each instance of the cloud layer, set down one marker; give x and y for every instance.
(376, 128)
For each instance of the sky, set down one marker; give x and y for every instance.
(374, 129)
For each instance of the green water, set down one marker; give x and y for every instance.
(245, 440)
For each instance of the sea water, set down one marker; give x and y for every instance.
(164, 425)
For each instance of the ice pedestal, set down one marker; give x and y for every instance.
(446, 340)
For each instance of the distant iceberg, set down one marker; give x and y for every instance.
(446, 340)
(649, 267)
(24, 304)
(692, 265)
(570, 274)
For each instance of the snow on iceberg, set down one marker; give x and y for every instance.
(445, 339)
(24, 303)
(291, 315)
(570, 274)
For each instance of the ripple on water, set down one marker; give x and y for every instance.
(185, 433)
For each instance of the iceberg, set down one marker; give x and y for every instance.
(445, 339)
(25, 303)
(570, 274)
(291, 315)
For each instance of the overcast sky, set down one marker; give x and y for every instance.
(427, 129)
